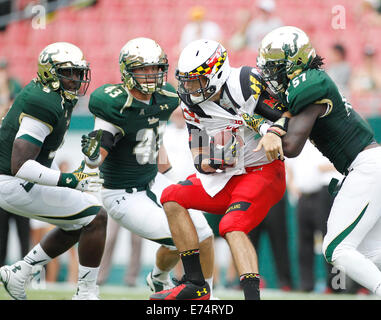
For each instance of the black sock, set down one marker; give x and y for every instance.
(250, 285)
(192, 266)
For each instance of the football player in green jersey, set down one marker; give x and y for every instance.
(318, 111)
(126, 143)
(31, 186)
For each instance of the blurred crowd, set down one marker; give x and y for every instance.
(353, 62)
(307, 175)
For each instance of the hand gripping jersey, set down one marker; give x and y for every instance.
(132, 161)
(43, 104)
(340, 134)
(240, 94)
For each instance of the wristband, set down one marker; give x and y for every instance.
(94, 163)
(281, 123)
(263, 129)
(274, 131)
(67, 180)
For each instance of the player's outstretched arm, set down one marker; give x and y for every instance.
(299, 129)
(84, 181)
(22, 151)
(290, 142)
(24, 166)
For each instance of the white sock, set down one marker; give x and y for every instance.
(37, 256)
(88, 275)
(159, 274)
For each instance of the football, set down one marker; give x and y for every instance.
(223, 137)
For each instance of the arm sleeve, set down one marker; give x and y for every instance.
(110, 133)
(106, 126)
(269, 108)
(35, 172)
(33, 130)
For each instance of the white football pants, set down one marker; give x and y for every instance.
(69, 209)
(141, 215)
(353, 239)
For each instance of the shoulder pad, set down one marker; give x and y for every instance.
(237, 85)
(169, 91)
(256, 84)
(306, 88)
(46, 106)
(108, 100)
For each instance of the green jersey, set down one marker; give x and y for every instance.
(132, 161)
(45, 105)
(340, 134)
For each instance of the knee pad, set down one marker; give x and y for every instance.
(226, 226)
(237, 221)
(331, 251)
(341, 256)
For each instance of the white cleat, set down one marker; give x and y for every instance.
(14, 278)
(157, 285)
(85, 291)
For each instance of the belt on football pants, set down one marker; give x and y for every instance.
(148, 191)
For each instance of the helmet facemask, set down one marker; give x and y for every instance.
(147, 83)
(275, 74)
(194, 88)
(74, 80)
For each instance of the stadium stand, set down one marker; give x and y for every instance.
(101, 30)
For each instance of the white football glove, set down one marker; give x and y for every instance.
(90, 184)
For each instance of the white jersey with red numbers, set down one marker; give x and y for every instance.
(240, 94)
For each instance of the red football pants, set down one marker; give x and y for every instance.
(244, 201)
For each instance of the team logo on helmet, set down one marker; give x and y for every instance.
(213, 64)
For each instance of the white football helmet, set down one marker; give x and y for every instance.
(201, 58)
(138, 53)
(63, 60)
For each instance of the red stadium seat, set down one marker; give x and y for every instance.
(103, 29)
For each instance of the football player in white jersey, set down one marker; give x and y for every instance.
(220, 101)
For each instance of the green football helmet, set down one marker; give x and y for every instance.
(138, 53)
(64, 61)
(283, 54)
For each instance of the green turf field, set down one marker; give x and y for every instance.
(64, 292)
